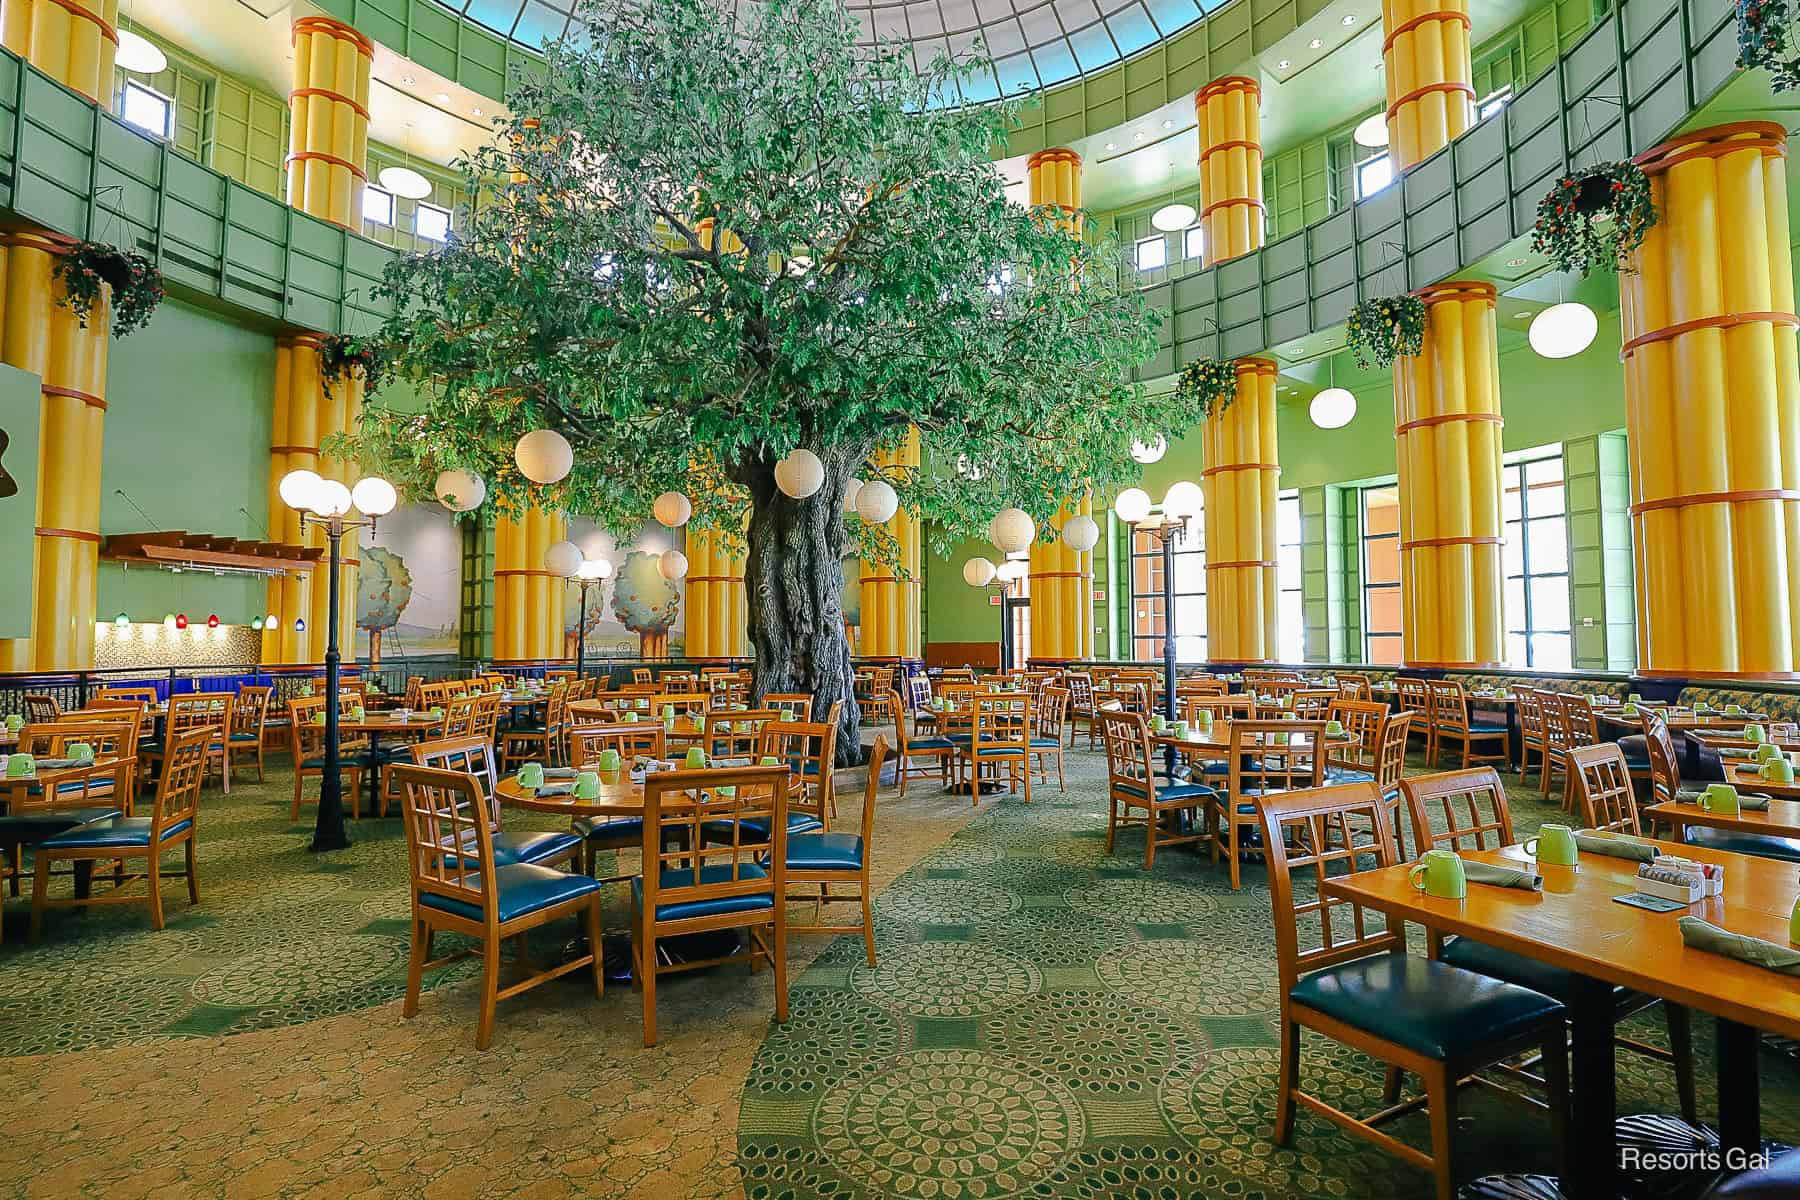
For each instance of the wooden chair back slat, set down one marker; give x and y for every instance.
(1471, 807)
(1362, 720)
(808, 748)
(684, 812)
(1602, 784)
(635, 739)
(448, 837)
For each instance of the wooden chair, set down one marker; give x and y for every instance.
(999, 737)
(1352, 686)
(873, 689)
(245, 736)
(523, 743)
(918, 692)
(1049, 719)
(1131, 785)
(41, 708)
(1264, 760)
(195, 711)
(1450, 722)
(840, 858)
(795, 706)
(1556, 742)
(633, 740)
(1311, 704)
(642, 675)
(458, 887)
(1362, 720)
(1531, 727)
(931, 746)
(474, 757)
(622, 702)
(697, 887)
(1473, 814)
(1356, 984)
(307, 743)
(1416, 697)
(172, 824)
(138, 695)
(1080, 685)
(809, 748)
(99, 792)
(735, 733)
(1601, 784)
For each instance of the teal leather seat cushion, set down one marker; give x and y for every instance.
(520, 889)
(115, 831)
(1045, 743)
(609, 827)
(1480, 729)
(1762, 845)
(999, 752)
(825, 852)
(245, 738)
(756, 829)
(1569, 987)
(1430, 1008)
(34, 826)
(1335, 775)
(962, 739)
(687, 910)
(532, 847)
(929, 743)
(1170, 792)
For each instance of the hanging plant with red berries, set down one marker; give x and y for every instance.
(1764, 41)
(1594, 217)
(342, 354)
(137, 286)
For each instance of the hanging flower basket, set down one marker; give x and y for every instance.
(340, 354)
(1209, 384)
(1595, 217)
(1763, 41)
(1386, 328)
(137, 286)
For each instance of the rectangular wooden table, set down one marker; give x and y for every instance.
(1781, 820)
(1575, 924)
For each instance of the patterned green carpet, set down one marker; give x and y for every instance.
(1048, 1020)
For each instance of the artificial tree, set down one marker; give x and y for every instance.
(701, 241)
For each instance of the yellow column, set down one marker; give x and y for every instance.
(890, 604)
(1430, 97)
(1447, 446)
(328, 146)
(41, 336)
(294, 446)
(1229, 112)
(1712, 405)
(336, 408)
(72, 41)
(699, 593)
(528, 600)
(1239, 480)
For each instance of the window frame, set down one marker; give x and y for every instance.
(1137, 253)
(1513, 471)
(1282, 587)
(168, 109)
(393, 206)
(1358, 166)
(1187, 238)
(1193, 545)
(1363, 538)
(419, 209)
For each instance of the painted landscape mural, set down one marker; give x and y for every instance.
(409, 585)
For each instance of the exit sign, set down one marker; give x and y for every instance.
(1100, 595)
(993, 602)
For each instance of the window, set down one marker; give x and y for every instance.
(1147, 628)
(1535, 561)
(1373, 174)
(1193, 243)
(147, 108)
(378, 206)
(1291, 606)
(1152, 253)
(432, 223)
(1381, 574)
(1496, 102)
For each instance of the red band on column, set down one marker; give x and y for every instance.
(1408, 26)
(1446, 418)
(87, 398)
(74, 9)
(1429, 88)
(1644, 506)
(1723, 321)
(330, 95)
(1452, 541)
(334, 160)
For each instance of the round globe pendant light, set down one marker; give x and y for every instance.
(1012, 530)
(374, 496)
(594, 568)
(1563, 330)
(1372, 130)
(672, 509)
(459, 490)
(1333, 408)
(877, 502)
(978, 572)
(1149, 452)
(298, 488)
(1172, 218)
(544, 456)
(1184, 499)
(404, 182)
(672, 565)
(1081, 534)
(1012, 569)
(800, 474)
(139, 54)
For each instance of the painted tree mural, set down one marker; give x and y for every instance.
(383, 590)
(646, 603)
(596, 615)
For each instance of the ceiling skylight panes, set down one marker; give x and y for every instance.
(1034, 43)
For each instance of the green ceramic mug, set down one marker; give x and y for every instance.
(768, 760)
(81, 752)
(1159, 722)
(1334, 729)
(14, 723)
(609, 760)
(587, 786)
(1765, 751)
(531, 775)
(1734, 710)
(20, 766)
(1779, 769)
(1720, 798)
(696, 758)
(1440, 873)
(630, 718)
(1554, 844)
(1756, 735)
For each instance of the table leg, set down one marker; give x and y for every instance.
(374, 773)
(1591, 1154)
(1515, 739)
(1740, 1095)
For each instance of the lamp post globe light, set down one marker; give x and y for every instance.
(587, 572)
(327, 504)
(1181, 504)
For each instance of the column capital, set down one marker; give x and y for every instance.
(1458, 290)
(335, 28)
(1056, 154)
(1227, 83)
(1767, 136)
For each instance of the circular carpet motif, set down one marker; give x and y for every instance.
(288, 974)
(947, 979)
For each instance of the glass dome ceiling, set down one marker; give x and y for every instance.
(1033, 43)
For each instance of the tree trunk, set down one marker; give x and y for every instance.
(374, 648)
(794, 592)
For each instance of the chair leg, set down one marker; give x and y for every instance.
(1231, 832)
(1440, 1095)
(154, 874)
(646, 978)
(415, 970)
(1149, 838)
(596, 943)
(1390, 1086)
(193, 875)
(1112, 821)
(1287, 1082)
(294, 812)
(40, 886)
(1554, 1064)
(1681, 1047)
(868, 923)
(781, 985)
(490, 994)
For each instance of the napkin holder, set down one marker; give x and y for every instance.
(1681, 880)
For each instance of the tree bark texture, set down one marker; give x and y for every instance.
(794, 592)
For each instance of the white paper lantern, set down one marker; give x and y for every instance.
(800, 474)
(1149, 452)
(1172, 218)
(673, 509)
(544, 456)
(563, 559)
(851, 490)
(877, 502)
(1132, 505)
(1081, 534)
(1333, 408)
(1184, 499)
(331, 499)
(374, 496)
(459, 490)
(672, 565)
(1563, 330)
(1012, 530)
(978, 572)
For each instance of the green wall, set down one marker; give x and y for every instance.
(187, 438)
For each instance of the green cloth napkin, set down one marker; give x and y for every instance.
(1704, 935)
(1498, 876)
(1753, 803)
(559, 772)
(1617, 845)
(556, 789)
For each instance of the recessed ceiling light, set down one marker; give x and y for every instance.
(1349, 18)
(1520, 316)
(1168, 124)
(1139, 135)
(408, 80)
(1283, 65)
(1515, 262)
(476, 111)
(1112, 145)
(1314, 44)
(443, 97)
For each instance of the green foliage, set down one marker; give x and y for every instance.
(1207, 384)
(137, 284)
(1765, 39)
(1595, 217)
(341, 354)
(1386, 328)
(874, 276)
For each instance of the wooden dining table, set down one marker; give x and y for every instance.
(1574, 923)
(1680, 721)
(1782, 819)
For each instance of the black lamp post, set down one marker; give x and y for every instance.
(590, 572)
(1180, 505)
(981, 573)
(326, 503)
